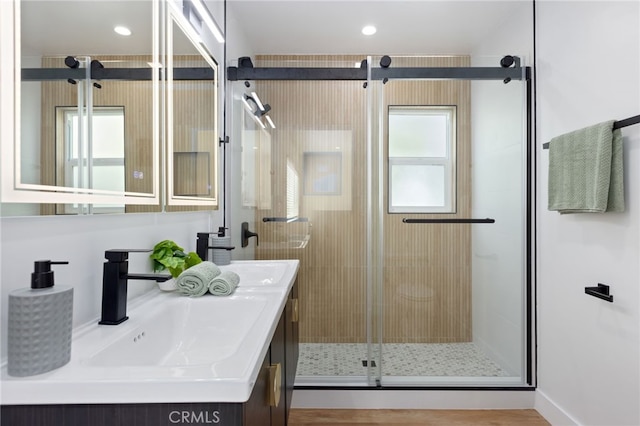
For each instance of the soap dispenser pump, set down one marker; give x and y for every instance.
(40, 324)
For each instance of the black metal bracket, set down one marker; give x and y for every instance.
(223, 141)
(601, 292)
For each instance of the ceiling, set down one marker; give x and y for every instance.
(84, 27)
(404, 26)
(435, 27)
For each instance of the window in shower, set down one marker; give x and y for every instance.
(421, 159)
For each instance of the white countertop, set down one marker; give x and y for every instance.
(158, 355)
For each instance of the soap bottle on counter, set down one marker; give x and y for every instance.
(40, 323)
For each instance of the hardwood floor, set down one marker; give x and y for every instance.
(322, 417)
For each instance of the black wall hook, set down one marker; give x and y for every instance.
(601, 292)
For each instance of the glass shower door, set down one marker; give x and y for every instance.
(450, 225)
(308, 199)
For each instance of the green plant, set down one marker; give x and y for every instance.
(167, 255)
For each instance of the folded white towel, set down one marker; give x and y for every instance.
(224, 284)
(195, 281)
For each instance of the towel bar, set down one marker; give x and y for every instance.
(601, 292)
(285, 219)
(616, 125)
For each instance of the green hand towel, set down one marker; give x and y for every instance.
(224, 284)
(195, 281)
(586, 172)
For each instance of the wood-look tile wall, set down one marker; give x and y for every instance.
(427, 273)
(426, 293)
(136, 97)
(194, 107)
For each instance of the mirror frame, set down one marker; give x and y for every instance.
(12, 189)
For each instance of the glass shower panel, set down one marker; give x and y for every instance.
(318, 203)
(339, 182)
(450, 297)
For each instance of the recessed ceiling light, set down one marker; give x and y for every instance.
(124, 31)
(369, 30)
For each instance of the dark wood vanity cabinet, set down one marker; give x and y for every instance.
(283, 351)
(259, 410)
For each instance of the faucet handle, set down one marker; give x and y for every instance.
(220, 233)
(121, 255)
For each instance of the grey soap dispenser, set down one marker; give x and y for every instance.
(40, 323)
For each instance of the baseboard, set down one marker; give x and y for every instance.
(552, 412)
(413, 399)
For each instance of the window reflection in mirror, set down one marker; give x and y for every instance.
(105, 167)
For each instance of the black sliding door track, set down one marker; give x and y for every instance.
(452, 73)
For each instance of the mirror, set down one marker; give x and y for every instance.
(87, 138)
(192, 133)
(90, 129)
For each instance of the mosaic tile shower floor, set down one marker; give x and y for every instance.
(399, 359)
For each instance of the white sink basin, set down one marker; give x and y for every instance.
(185, 332)
(269, 275)
(171, 349)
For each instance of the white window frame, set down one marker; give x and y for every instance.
(448, 161)
(72, 163)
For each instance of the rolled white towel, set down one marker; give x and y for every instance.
(195, 281)
(224, 284)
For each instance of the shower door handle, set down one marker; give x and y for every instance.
(487, 220)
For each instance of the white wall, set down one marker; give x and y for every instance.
(498, 180)
(588, 70)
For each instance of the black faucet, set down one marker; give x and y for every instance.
(114, 285)
(202, 243)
